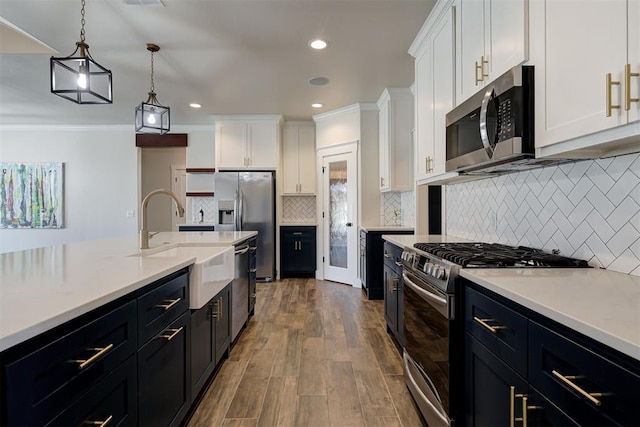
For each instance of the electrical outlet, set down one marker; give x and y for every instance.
(131, 214)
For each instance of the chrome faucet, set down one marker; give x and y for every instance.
(144, 233)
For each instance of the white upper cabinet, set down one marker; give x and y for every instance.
(587, 58)
(396, 145)
(250, 142)
(434, 96)
(299, 159)
(491, 38)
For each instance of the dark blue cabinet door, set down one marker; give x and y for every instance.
(163, 372)
(111, 402)
(491, 388)
(222, 307)
(202, 347)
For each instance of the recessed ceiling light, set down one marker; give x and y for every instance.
(318, 44)
(316, 105)
(318, 81)
(195, 105)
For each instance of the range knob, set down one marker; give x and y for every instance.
(440, 273)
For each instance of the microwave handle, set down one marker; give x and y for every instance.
(484, 135)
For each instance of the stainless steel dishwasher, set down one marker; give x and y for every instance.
(240, 290)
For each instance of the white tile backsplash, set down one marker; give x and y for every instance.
(587, 209)
(299, 209)
(208, 208)
(397, 208)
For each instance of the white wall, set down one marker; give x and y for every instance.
(100, 181)
(337, 127)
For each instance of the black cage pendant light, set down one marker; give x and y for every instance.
(151, 117)
(78, 77)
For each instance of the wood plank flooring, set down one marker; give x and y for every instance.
(316, 353)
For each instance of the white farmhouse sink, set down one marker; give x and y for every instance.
(212, 271)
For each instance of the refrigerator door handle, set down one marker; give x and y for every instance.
(235, 211)
(241, 210)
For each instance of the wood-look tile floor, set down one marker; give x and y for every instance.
(316, 353)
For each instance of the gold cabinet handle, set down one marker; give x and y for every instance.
(591, 397)
(168, 303)
(480, 67)
(610, 83)
(386, 255)
(99, 423)
(220, 308)
(483, 323)
(512, 405)
(214, 314)
(173, 333)
(381, 182)
(395, 281)
(100, 352)
(398, 263)
(627, 89)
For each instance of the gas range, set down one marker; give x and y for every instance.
(439, 263)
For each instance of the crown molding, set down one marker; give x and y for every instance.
(369, 106)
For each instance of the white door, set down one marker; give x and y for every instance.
(179, 187)
(340, 204)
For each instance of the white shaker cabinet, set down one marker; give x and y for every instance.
(434, 97)
(587, 58)
(395, 120)
(299, 159)
(491, 38)
(247, 143)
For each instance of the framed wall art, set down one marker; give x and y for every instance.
(31, 195)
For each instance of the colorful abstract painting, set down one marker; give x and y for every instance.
(31, 195)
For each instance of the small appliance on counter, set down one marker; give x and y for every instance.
(432, 314)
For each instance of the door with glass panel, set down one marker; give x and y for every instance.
(340, 202)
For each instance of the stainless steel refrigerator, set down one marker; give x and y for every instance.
(246, 202)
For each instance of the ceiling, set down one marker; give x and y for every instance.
(231, 56)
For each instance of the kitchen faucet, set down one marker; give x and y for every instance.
(144, 234)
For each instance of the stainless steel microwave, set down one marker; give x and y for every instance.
(493, 131)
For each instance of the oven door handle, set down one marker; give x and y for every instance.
(437, 299)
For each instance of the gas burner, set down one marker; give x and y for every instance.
(493, 255)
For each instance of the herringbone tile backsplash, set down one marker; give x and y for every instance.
(299, 209)
(397, 208)
(587, 209)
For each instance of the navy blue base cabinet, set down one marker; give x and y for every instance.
(524, 369)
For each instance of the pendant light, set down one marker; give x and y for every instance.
(151, 117)
(78, 77)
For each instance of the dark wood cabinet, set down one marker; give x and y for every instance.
(521, 365)
(297, 251)
(393, 291)
(371, 261)
(210, 338)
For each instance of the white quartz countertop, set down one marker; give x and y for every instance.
(45, 287)
(386, 228)
(601, 304)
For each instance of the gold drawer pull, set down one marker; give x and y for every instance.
(483, 322)
(398, 263)
(100, 352)
(610, 83)
(386, 255)
(169, 303)
(99, 423)
(627, 90)
(589, 396)
(174, 332)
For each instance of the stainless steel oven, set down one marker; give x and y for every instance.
(427, 321)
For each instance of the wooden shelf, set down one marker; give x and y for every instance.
(199, 194)
(201, 170)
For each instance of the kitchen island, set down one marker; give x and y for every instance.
(101, 331)
(44, 287)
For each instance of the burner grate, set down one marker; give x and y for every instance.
(494, 255)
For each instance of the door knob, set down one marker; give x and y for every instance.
(349, 224)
